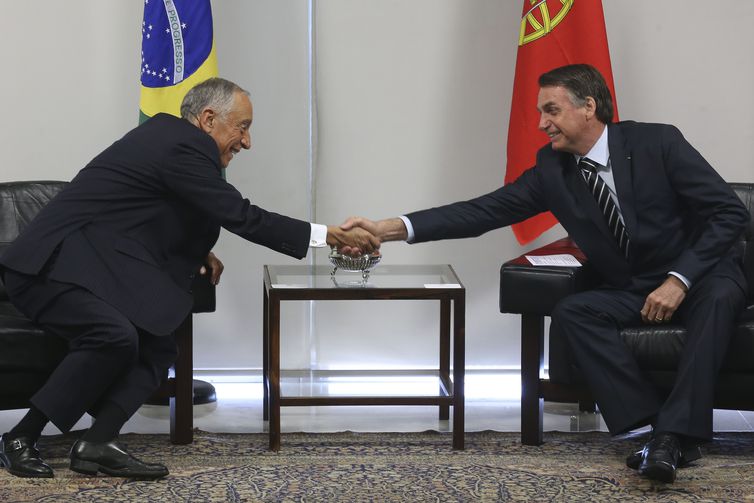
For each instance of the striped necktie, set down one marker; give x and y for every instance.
(601, 193)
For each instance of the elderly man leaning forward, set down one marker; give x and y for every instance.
(107, 265)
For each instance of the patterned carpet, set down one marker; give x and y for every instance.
(400, 467)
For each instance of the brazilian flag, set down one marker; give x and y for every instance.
(177, 52)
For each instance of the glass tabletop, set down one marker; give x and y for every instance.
(349, 383)
(382, 276)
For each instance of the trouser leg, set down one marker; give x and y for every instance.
(709, 313)
(102, 345)
(104, 362)
(133, 387)
(156, 355)
(590, 322)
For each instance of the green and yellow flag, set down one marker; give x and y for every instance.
(177, 52)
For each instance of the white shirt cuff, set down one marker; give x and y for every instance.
(409, 228)
(318, 238)
(683, 279)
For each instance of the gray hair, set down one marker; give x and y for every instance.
(216, 93)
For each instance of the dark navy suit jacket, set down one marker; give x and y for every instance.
(136, 223)
(680, 214)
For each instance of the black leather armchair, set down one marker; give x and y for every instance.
(28, 355)
(533, 292)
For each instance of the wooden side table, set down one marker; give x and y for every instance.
(398, 282)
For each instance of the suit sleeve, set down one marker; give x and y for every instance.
(704, 192)
(507, 205)
(192, 172)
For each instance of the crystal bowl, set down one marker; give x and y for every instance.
(362, 263)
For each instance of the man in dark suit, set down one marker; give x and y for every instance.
(656, 221)
(108, 265)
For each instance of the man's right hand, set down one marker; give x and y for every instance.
(354, 241)
(389, 229)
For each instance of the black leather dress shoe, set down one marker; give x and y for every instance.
(689, 454)
(21, 457)
(111, 459)
(660, 457)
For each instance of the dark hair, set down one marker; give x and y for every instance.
(582, 81)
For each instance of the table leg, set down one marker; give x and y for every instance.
(274, 371)
(459, 365)
(265, 356)
(445, 354)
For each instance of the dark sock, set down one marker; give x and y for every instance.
(30, 426)
(110, 419)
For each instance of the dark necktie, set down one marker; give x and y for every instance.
(601, 193)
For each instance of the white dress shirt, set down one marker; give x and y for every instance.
(318, 236)
(601, 155)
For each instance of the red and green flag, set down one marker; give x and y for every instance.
(553, 33)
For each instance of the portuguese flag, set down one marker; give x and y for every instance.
(177, 52)
(553, 33)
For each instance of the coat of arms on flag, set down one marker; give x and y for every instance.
(553, 33)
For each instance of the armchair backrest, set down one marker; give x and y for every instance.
(19, 204)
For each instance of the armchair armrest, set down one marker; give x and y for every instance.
(528, 289)
(204, 294)
(180, 389)
(533, 292)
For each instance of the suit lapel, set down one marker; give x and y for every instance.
(620, 159)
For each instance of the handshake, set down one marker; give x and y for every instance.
(358, 235)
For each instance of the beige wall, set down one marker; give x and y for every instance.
(413, 100)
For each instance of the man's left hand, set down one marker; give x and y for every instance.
(215, 265)
(662, 303)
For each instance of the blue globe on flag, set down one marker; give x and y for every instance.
(177, 52)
